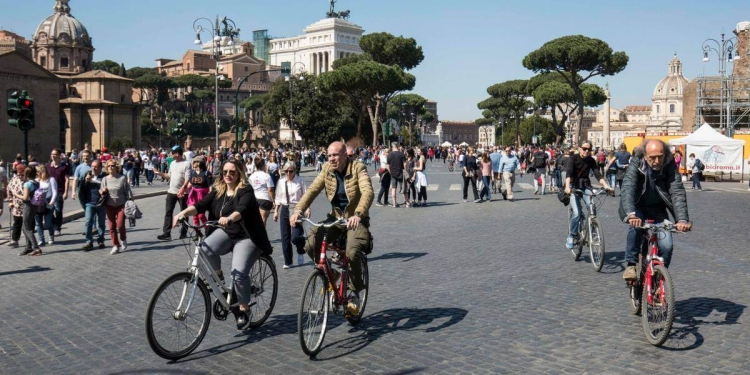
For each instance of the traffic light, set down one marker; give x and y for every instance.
(177, 130)
(14, 110)
(26, 105)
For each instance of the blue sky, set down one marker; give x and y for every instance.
(468, 45)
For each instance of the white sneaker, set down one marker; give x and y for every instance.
(115, 250)
(124, 245)
(57, 233)
(50, 242)
(287, 267)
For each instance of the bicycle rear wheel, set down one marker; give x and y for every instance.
(658, 316)
(312, 319)
(637, 289)
(173, 333)
(596, 244)
(264, 286)
(355, 319)
(577, 246)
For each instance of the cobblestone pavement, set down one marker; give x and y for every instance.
(456, 288)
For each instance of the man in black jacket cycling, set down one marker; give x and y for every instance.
(651, 190)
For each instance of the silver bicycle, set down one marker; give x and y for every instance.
(180, 308)
(589, 228)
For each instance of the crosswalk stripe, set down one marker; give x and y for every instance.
(455, 187)
(432, 187)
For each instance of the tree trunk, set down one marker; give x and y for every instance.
(374, 120)
(579, 130)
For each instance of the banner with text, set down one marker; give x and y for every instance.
(718, 158)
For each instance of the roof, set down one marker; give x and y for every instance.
(173, 63)
(100, 74)
(706, 136)
(42, 73)
(85, 101)
(458, 123)
(637, 108)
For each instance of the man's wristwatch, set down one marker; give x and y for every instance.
(359, 214)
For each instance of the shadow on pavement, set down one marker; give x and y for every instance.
(27, 270)
(391, 321)
(157, 371)
(527, 199)
(613, 262)
(694, 312)
(406, 256)
(437, 204)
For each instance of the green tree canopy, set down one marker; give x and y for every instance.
(576, 58)
(388, 49)
(138, 71)
(507, 99)
(157, 83)
(540, 126)
(106, 65)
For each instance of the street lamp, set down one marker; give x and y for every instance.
(223, 33)
(723, 49)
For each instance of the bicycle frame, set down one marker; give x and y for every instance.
(652, 259)
(324, 264)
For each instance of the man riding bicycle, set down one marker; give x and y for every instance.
(348, 187)
(577, 177)
(651, 189)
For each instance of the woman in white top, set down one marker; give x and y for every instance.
(148, 166)
(262, 184)
(289, 191)
(45, 216)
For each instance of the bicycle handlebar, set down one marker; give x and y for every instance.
(595, 191)
(338, 222)
(213, 224)
(666, 225)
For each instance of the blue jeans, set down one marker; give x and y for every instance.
(635, 241)
(46, 219)
(486, 188)
(612, 180)
(91, 211)
(58, 212)
(575, 217)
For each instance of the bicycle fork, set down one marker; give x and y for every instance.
(651, 259)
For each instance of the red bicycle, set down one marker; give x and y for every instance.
(652, 294)
(323, 292)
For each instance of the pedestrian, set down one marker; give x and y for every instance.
(272, 168)
(29, 211)
(148, 166)
(623, 160)
(43, 216)
(3, 185)
(611, 171)
(137, 167)
(697, 167)
(395, 165)
(15, 192)
(469, 174)
(385, 178)
(117, 190)
(60, 171)
(289, 191)
(95, 213)
(263, 186)
(539, 162)
(508, 165)
(198, 187)
(128, 165)
(178, 176)
(80, 173)
(419, 167)
(409, 178)
(487, 176)
(214, 166)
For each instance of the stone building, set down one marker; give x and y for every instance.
(18, 72)
(10, 41)
(457, 132)
(667, 100)
(61, 43)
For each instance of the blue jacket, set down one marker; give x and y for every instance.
(509, 163)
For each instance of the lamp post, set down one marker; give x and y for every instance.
(723, 50)
(223, 31)
(291, 98)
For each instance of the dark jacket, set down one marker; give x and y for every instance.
(668, 186)
(246, 204)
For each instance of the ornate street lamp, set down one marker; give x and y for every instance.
(723, 49)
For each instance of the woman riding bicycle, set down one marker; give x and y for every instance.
(232, 202)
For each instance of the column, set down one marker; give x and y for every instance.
(605, 133)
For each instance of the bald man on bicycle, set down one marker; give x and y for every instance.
(348, 187)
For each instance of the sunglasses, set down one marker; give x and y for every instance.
(289, 171)
(231, 173)
(585, 148)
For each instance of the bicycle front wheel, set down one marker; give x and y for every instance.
(172, 330)
(264, 286)
(658, 315)
(596, 244)
(355, 319)
(312, 319)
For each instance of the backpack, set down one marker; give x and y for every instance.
(699, 164)
(131, 210)
(39, 199)
(600, 157)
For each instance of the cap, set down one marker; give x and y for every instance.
(104, 149)
(177, 149)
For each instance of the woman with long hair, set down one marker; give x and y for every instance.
(611, 171)
(487, 177)
(263, 185)
(29, 210)
(272, 168)
(117, 190)
(232, 203)
(43, 217)
(409, 178)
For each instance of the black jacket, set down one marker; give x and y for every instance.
(668, 186)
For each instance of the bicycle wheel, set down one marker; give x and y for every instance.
(312, 319)
(173, 334)
(577, 246)
(354, 320)
(658, 316)
(264, 286)
(596, 244)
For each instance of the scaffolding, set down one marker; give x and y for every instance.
(723, 102)
(262, 43)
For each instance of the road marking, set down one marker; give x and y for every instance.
(432, 187)
(525, 185)
(455, 187)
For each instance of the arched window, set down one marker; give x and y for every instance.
(657, 108)
(671, 108)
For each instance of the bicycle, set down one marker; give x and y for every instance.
(589, 232)
(182, 300)
(322, 293)
(656, 305)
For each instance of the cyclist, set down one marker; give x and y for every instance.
(651, 189)
(347, 186)
(577, 176)
(232, 203)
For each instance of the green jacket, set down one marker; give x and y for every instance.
(357, 185)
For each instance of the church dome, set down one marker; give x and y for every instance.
(62, 28)
(673, 84)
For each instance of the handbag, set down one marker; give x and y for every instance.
(563, 198)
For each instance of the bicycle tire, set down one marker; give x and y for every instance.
(577, 247)
(186, 279)
(596, 244)
(312, 319)
(354, 320)
(263, 271)
(657, 336)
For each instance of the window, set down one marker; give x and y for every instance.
(64, 62)
(671, 108)
(83, 63)
(43, 61)
(657, 108)
(221, 97)
(245, 68)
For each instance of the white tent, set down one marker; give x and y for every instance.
(463, 144)
(717, 152)
(446, 144)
